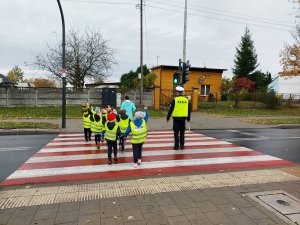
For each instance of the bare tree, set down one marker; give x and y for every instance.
(87, 57)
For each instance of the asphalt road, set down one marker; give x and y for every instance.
(16, 149)
(281, 143)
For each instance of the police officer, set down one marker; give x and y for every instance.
(180, 110)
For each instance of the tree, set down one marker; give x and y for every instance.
(16, 74)
(149, 80)
(87, 57)
(130, 80)
(227, 85)
(245, 58)
(290, 60)
(241, 84)
(42, 82)
(262, 80)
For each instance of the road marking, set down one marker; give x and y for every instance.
(128, 166)
(15, 149)
(75, 160)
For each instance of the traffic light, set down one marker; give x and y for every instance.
(175, 79)
(185, 71)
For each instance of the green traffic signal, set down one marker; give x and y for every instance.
(175, 79)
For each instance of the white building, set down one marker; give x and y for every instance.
(286, 86)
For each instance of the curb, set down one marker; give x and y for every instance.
(28, 131)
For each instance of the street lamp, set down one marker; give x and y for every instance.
(63, 69)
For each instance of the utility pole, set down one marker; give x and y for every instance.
(141, 55)
(184, 32)
(63, 69)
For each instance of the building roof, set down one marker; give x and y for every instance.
(5, 81)
(200, 69)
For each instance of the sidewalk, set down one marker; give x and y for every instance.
(222, 198)
(204, 199)
(199, 121)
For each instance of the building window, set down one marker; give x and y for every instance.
(205, 89)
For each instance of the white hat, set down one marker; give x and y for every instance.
(139, 114)
(179, 88)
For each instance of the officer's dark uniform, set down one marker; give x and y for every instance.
(180, 110)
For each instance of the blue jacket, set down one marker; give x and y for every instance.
(129, 108)
(137, 122)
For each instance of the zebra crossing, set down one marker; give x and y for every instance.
(69, 158)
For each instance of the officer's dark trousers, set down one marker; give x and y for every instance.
(179, 128)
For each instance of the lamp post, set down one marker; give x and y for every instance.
(63, 69)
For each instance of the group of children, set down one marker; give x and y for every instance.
(110, 126)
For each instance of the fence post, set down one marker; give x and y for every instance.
(290, 98)
(88, 98)
(7, 96)
(254, 99)
(36, 97)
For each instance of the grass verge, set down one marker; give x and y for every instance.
(20, 125)
(252, 112)
(275, 121)
(53, 112)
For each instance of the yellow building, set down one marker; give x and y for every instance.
(206, 81)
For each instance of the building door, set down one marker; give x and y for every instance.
(109, 97)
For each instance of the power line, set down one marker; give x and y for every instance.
(225, 15)
(240, 14)
(100, 2)
(237, 19)
(220, 19)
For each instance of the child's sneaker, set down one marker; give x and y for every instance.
(135, 165)
(109, 162)
(139, 162)
(116, 159)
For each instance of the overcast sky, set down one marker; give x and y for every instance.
(214, 30)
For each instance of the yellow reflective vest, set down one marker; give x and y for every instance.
(111, 135)
(123, 124)
(86, 120)
(97, 127)
(138, 134)
(181, 107)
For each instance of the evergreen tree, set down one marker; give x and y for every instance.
(245, 58)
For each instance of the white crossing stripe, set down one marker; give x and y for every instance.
(128, 166)
(129, 154)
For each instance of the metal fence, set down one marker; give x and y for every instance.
(11, 97)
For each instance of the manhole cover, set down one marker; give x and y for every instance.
(284, 205)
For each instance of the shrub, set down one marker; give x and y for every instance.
(271, 99)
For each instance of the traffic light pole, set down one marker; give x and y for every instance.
(63, 70)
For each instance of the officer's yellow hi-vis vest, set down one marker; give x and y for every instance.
(123, 124)
(97, 127)
(138, 134)
(111, 135)
(181, 107)
(86, 120)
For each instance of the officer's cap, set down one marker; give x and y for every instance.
(179, 88)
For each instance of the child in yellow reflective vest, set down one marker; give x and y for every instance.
(123, 121)
(138, 130)
(97, 126)
(86, 115)
(112, 132)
